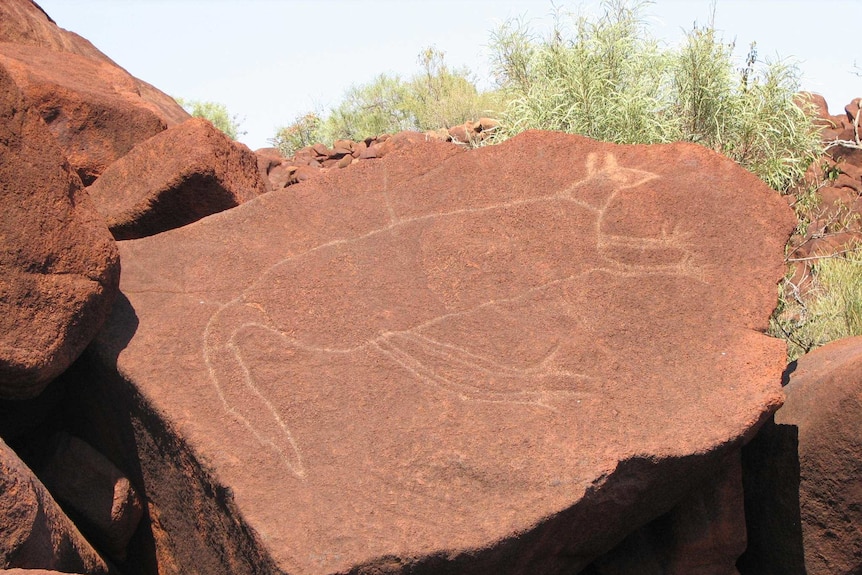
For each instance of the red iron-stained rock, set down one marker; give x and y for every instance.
(806, 470)
(501, 360)
(90, 106)
(59, 268)
(34, 532)
(82, 479)
(24, 22)
(704, 534)
(176, 177)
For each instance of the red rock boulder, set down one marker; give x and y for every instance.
(97, 110)
(501, 360)
(806, 470)
(90, 106)
(101, 496)
(58, 263)
(176, 177)
(34, 532)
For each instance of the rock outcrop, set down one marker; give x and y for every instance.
(502, 360)
(312, 161)
(96, 110)
(58, 263)
(34, 532)
(174, 178)
(805, 477)
(834, 224)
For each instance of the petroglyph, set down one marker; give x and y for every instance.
(496, 264)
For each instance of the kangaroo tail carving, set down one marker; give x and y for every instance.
(236, 387)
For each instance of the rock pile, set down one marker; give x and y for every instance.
(541, 357)
(68, 115)
(425, 379)
(804, 471)
(835, 223)
(313, 160)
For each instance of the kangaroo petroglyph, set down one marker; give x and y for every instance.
(494, 264)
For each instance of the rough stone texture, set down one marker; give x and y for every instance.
(24, 22)
(835, 224)
(90, 106)
(58, 263)
(34, 532)
(495, 361)
(103, 500)
(821, 424)
(312, 161)
(176, 177)
(703, 535)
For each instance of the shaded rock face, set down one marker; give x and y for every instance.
(83, 480)
(494, 361)
(703, 535)
(34, 532)
(95, 109)
(176, 177)
(816, 440)
(58, 263)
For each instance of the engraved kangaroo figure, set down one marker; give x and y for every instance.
(404, 343)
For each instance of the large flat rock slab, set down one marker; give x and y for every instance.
(491, 361)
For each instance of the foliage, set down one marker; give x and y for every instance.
(304, 131)
(438, 97)
(831, 308)
(610, 80)
(216, 113)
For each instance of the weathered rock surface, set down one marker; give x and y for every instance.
(703, 535)
(34, 532)
(24, 22)
(176, 177)
(806, 492)
(312, 161)
(95, 109)
(91, 107)
(494, 361)
(58, 263)
(83, 480)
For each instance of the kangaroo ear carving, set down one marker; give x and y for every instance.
(611, 170)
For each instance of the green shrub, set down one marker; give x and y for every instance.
(215, 113)
(830, 309)
(304, 131)
(611, 80)
(437, 97)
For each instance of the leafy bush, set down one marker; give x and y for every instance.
(831, 308)
(610, 80)
(215, 113)
(438, 97)
(304, 131)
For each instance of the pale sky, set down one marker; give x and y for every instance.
(270, 61)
